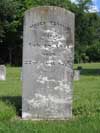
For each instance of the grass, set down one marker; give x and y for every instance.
(86, 105)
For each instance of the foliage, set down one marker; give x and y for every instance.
(7, 15)
(93, 52)
(9, 24)
(87, 28)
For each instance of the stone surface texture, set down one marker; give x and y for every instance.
(48, 54)
(2, 72)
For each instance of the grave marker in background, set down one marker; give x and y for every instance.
(48, 54)
(2, 72)
(76, 74)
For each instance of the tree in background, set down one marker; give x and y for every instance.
(87, 28)
(10, 29)
(86, 25)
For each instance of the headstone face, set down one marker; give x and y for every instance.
(48, 52)
(2, 72)
(76, 74)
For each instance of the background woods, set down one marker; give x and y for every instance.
(87, 29)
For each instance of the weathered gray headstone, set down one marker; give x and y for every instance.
(2, 72)
(48, 53)
(76, 74)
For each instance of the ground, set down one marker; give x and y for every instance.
(86, 105)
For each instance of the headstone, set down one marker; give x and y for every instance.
(76, 74)
(48, 54)
(2, 72)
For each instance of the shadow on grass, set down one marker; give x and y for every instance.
(90, 72)
(15, 101)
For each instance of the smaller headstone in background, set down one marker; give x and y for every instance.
(2, 72)
(76, 74)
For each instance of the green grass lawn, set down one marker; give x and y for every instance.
(86, 105)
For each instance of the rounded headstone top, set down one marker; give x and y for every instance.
(46, 9)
